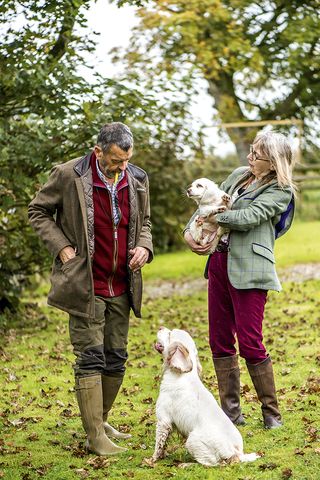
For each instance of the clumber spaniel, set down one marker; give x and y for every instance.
(210, 200)
(186, 404)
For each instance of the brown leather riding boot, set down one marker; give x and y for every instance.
(228, 376)
(263, 381)
(110, 389)
(89, 396)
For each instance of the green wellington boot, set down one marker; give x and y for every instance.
(89, 396)
(110, 389)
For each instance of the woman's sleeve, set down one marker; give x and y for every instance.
(271, 202)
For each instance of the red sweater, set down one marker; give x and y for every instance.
(110, 274)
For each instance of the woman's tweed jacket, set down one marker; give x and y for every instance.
(258, 216)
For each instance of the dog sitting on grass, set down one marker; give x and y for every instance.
(185, 403)
(210, 200)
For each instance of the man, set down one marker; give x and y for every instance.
(93, 214)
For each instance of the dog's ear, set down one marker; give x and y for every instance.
(178, 358)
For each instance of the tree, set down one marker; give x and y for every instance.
(260, 59)
(49, 113)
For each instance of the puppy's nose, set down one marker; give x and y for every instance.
(162, 328)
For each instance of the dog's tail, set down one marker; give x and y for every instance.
(248, 457)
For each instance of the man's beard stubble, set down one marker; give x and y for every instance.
(106, 172)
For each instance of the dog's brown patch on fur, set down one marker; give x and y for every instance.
(178, 358)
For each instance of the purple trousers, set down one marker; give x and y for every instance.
(234, 313)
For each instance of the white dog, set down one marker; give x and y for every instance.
(210, 200)
(186, 404)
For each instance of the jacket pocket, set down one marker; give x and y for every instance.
(263, 251)
(69, 263)
(71, 286)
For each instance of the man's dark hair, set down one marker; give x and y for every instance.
(115, 133)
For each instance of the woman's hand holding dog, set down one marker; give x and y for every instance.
(195, 247)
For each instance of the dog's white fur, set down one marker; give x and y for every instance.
(186, 404)
(210, 200)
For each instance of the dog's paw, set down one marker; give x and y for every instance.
(226, 198)
(186, 464)
(221, 209)
(150, 462)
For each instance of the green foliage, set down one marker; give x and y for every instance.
(41, 432)
(169, 176)
(308, 207)
(260, 59)
(137, 3)
(48, 114)
(39, 91)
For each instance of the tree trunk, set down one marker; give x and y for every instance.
(241, 138)
(226, 103)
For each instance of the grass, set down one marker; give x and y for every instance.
(299, 245)
(41, 433)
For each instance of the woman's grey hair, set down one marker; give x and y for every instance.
(276, 147)
(115, 133)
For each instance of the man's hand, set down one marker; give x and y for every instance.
(195, 247)
(139, 257)
(66, 254)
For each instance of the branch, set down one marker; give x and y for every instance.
(288, 106)
(270, 25)
(65, 34)
(247, 101)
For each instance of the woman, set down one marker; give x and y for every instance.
(242, 270)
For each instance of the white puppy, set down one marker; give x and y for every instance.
(210, 200)
(186, 404)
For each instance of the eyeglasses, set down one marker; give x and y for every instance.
(255, 157)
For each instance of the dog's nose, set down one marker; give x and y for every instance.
(189, 190)
(162, 328)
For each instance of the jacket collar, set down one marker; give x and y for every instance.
(254, 187)
(83, 165)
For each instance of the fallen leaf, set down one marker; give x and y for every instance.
(268, 466)
(82, 472)
(298, 451)
(98, 462)
(287, 473)
(33, 437)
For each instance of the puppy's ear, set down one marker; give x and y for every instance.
(178, 358)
